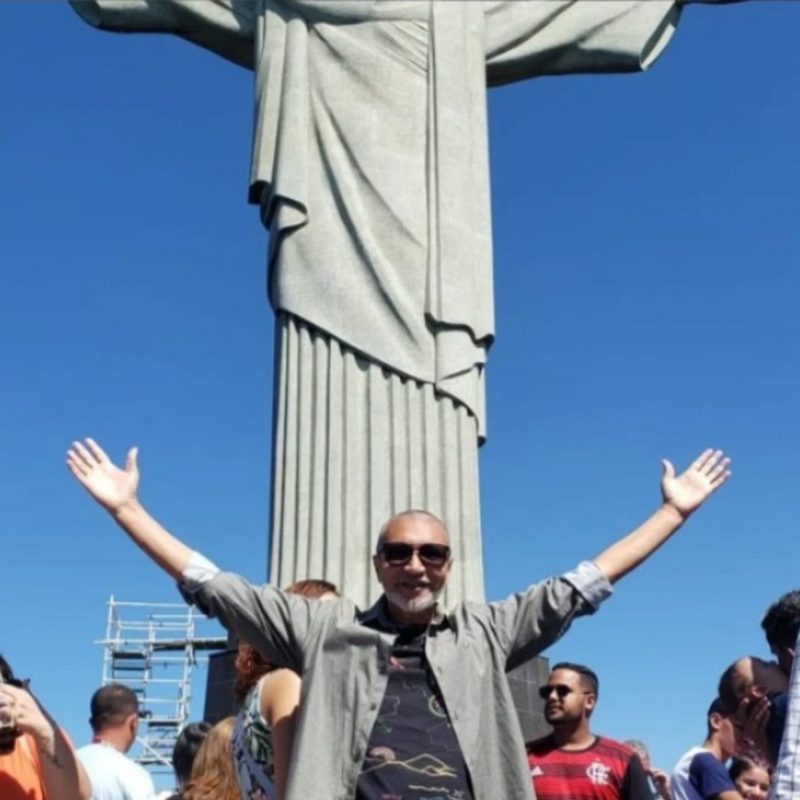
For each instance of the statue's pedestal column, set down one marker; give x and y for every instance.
(525, 681)
(220, 694)
(353, 444)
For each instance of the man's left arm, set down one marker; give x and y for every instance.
(681, 496)
(528, 622)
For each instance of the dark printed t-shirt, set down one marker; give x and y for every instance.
(606, 770)
(413, 751)
(700, 775)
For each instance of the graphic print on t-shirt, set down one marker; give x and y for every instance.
(413, 752)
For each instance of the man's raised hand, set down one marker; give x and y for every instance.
(688, 491)
(111, 486)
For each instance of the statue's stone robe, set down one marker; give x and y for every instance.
(370, 166)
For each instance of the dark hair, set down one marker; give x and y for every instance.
(731, 689)
(250, 665)
(782, 620)
(111, 705)
(5, 670)
(740, 764)
(720, 708)
(186, 746)
(588, 677)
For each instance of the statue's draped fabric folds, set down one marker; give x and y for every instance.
(370, 167)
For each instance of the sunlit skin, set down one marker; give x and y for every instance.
(569, 716)
(725, 740)
(753, 784)
(412, 588)
(761, 677)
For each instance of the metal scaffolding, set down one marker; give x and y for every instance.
(152, 648)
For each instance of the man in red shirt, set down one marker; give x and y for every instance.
(573, 762)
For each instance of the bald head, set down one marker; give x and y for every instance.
(750, 676)
(430, 522)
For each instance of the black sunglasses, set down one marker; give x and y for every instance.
(560, 689)
(398, 553)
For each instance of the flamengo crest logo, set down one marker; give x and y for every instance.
(597, 773)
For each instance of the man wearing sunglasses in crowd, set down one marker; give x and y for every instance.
(406, 696)
(572, 761)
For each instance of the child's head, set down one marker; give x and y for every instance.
(751, 779)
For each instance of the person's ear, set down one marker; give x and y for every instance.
(589, 703)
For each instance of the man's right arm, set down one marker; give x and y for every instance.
(269, 619)
(116, 490)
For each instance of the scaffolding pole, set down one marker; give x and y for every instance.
(152, 649)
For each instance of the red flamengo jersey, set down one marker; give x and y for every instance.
(606, 770)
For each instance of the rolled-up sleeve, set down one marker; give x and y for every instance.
(591, 583)
(528, 622)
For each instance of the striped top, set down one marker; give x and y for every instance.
(606, 770)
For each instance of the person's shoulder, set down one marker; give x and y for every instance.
(705, 763)
(687, 757)
(540, 747)
(610, 746)
(135, 774)
(94, 751)
(705, 759)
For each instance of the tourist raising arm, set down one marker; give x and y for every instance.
(116, 490)
(278, 633)
(532, 620)
(681, 496)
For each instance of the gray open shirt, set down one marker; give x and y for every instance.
(343, 663)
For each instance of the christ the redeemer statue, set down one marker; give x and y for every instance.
(370, 168)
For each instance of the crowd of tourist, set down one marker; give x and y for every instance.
(407, 699)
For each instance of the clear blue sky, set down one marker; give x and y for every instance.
(647, 249)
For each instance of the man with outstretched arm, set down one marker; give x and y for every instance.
(406, 693)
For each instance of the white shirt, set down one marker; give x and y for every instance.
(113, 775)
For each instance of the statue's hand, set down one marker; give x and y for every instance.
(688, 491)
(111, 486)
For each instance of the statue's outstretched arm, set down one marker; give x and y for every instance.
(226, 27)
(556, 37)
